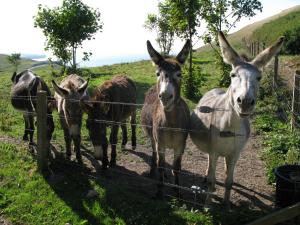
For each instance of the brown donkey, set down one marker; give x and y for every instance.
(165, 115)
(69, 95)
(111, 104)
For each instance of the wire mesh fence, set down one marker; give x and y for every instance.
(134, 165)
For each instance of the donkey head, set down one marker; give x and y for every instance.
(97, 115)
(168, 75)
(245, 76)
(72, 104)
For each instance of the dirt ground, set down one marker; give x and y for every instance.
(250, 187)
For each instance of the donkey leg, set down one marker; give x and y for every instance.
(113, 142)
(153, 160)
(26, 130)
(31, 130)
(133, 131)
(177, 168)
(77, 141)
(124, 136)
(230, 162)
(211, 177)
(161, 169)
(68, 143)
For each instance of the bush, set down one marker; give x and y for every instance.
(281, 145)
(292, 42)
(192, 83)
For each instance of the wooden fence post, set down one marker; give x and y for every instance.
(295, 101)
(275, 77)
(42, 140)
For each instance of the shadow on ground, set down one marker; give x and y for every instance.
(129, 196)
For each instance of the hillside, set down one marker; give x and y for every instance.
(26, 63)
(5, 66)
(267, 29)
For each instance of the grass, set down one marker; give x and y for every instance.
(26, 197)
(29, 198)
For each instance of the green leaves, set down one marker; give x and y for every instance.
(161, 24)
(66, 27)
(15, 60)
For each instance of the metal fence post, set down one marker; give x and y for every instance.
(295, 101)
(42, 140)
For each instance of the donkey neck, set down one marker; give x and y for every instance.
(169, 117)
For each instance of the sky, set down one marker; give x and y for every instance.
(123, 33)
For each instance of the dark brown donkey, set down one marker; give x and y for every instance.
(23, 97)
(165, 115)
(111, 104)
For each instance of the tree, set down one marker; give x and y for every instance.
(223, 15)
(161, 24)
(66, 27)
(185, 19)
(15, 60)
(292, 43)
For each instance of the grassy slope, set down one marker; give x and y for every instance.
(271, 23)
(5, 66)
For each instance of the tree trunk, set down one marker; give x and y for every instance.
(74, 57)
(191, 55)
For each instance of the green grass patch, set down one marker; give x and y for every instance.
(26, 197)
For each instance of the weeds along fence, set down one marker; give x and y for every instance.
(134, 165)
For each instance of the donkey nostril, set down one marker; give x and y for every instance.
(239, 100)
(159, 96)
(252, 102)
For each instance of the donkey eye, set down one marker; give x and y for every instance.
(179, 75)
(232, 75)
(157, 74)
(258, 78)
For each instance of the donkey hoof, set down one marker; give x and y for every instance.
(68, 157)
(159, 195)
(104, 167)
(79, 161)
(227, 205)
(112, 163)
(133, 147)
(25, 138)
(123, 147)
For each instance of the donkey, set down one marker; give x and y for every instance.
(23, 97)
(111, 103)
(69, 94)
(220, 122)
(165, 116)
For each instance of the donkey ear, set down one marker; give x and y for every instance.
(13, 77)
(265, 56)
(87, 106)
(230, 56)
(155, 56)
(83, 87)
(59, 90)
(183, 54)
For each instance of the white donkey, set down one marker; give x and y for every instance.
(220, 123)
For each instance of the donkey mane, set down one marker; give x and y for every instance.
(71, 86)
